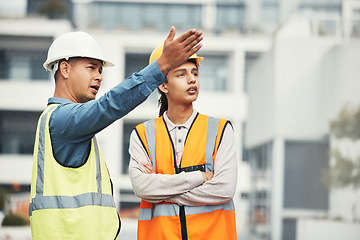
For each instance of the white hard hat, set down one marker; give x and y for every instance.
(74, 44)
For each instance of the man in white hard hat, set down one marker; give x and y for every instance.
(71, 191)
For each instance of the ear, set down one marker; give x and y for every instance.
(163, 88)
(64, 69)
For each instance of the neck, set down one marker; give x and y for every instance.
(61, 91)
(179, 114)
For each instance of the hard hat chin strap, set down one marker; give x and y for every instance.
(55, 68)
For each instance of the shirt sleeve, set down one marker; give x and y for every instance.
(157, 187)
(83, 120)
(221, 187)
(72, 125)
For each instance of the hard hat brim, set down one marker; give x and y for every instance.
(48, 65)
(197, 59)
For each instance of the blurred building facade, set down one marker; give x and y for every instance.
(294, 91)
(264, 70)
(127, 31)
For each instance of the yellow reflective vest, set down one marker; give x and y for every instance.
(70, 203)
(171, 221)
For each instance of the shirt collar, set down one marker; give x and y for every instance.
(57, 100)
(187, 125)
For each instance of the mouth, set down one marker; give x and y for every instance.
(95, 88)
(192, 90)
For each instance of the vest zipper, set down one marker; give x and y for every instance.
(182, 214)
(183, 223)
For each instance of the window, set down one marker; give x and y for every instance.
(214, 72)
(289, 228)
(139, 16)
(22, 65)
(260, 195)
(355, 23)
(250, 59)
(230, 16)
(303, 166)
(129, 204)
(18, 196)
(323, 6)
(4, 65)
(34, 7)
(183, 16)
(17, 131)
(135, 62)
(245, 151)
(22, 58)
(128, 128)
(270, 11)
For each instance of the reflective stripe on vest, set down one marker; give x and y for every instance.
(150, 136)
(60, 202)
(212, 130)
(168, 210)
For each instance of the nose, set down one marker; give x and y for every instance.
(99, 77)
(192, 78)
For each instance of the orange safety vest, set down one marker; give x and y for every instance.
(171, 221)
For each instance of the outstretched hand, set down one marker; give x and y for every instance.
(177, 51)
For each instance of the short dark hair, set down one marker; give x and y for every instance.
(67, 60)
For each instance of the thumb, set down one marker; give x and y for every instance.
(171, 35)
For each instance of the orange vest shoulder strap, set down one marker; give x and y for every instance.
(220, 133)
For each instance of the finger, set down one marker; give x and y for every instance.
(194, 37)
(146, 170)
(186, 35)
(195, 45)
(194, 49)
(145, 165)
(192, 41)
(171, 35)
(148, 167)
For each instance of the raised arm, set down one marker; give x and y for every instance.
(91, 117)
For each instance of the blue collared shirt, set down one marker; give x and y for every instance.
(73, 125)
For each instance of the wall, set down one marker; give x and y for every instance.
(310, 229)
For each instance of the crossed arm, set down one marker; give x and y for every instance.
(191, 188)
